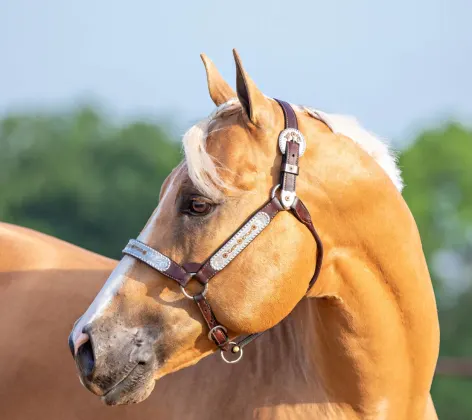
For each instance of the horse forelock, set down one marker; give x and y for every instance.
(205, 171)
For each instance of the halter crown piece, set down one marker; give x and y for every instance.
(292, 146)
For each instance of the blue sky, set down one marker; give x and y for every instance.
(397, 66)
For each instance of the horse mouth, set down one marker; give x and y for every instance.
(132, 388)
(117, 384)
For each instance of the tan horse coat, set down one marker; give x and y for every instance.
(362, 346)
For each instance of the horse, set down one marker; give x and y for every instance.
(44, 285)
(282, 220)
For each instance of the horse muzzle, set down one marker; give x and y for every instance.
(117, 365)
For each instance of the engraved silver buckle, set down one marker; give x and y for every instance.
(292, 134)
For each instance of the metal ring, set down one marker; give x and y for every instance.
(274, 190)
(190, 296)
(235, 360)
(210, 334)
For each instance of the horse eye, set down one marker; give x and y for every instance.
(198, 207)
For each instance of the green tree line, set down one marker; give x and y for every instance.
(81, 177)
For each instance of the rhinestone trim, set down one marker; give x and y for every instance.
(240, 240)
(147, 255)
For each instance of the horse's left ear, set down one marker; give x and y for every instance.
(256, 105)
(219, 90)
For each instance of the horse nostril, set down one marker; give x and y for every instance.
(85, 359)
(71, 344)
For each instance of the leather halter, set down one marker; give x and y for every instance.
(292, 145)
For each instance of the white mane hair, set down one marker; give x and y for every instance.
(203, 169)
(377, 148)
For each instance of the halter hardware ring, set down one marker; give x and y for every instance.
(218, 327)
(274, 190)
(203, 293)
(240, 351)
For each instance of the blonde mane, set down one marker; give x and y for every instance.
(369, 142)
(203, 169)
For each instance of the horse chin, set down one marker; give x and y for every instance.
(132, 390)
(136, 387)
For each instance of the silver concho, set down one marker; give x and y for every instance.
(291, 134)
(147, 255)
(242, 238)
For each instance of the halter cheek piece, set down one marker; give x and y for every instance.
(292, 146)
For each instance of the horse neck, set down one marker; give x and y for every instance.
(367, 352)
(375, 329)
(285, 369)
(375, 342)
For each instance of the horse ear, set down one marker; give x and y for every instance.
(220, 91)
(252, 99)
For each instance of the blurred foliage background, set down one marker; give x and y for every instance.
(82, 177)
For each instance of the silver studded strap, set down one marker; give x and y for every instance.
(147, 255)
(241, 239)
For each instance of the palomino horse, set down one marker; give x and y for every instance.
(44, 285)
(361, 343)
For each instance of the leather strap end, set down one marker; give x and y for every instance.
(218, 335)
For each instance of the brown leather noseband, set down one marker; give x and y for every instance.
(292, 145)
